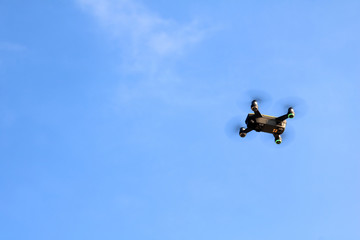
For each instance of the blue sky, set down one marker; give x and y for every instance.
(113, 120)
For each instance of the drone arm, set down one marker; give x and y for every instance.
(244, 131)
(255, 108)
(290, 114)
(248, 130)
(257, 113)
(282, 118)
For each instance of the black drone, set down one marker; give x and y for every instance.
(264, 123)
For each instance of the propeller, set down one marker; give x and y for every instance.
(298, 104)
(288, 136)
(260, 96)
(263, 99)
(232, 128)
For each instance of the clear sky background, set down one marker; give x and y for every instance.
(113, 118)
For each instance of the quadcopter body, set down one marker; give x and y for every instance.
(264, 123)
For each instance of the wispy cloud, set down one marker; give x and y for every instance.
(151, 45)
(148, 38)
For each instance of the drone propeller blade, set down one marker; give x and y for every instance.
(233, 126)
(298, 104)
(289, 135)
(262, 98)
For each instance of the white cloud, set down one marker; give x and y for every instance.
(147, 38)
(150, 46)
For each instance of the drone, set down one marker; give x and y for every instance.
(264, 123)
